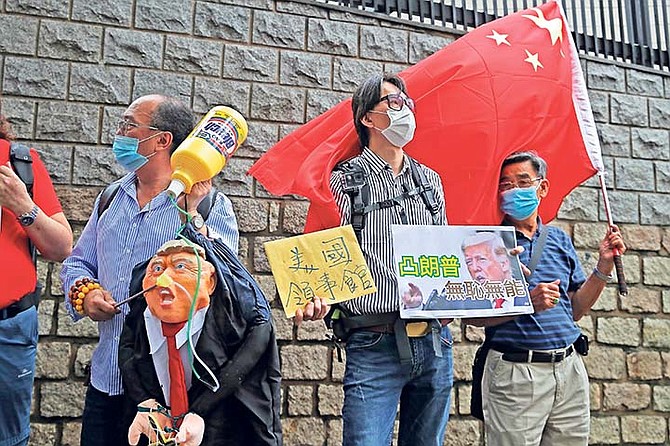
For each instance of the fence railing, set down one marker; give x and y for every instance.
(634, 31)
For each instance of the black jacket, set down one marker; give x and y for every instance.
(237, 343)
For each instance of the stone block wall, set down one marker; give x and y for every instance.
(69, 68)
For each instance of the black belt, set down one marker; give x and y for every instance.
(22, 304)
(517, 355)
(385, 328)
(413, 332)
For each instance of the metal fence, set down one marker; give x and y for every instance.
(634, 31)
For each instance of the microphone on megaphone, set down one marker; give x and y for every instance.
(206, 149)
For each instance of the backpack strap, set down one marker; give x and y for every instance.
(108, 194)
(357, 187)
(22, 163)
(207, 203)
(426, 189)
(421, 187)
(537, 251)
(106, 197)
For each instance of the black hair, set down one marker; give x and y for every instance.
(366, 97)
(172, 115)
(6, 131)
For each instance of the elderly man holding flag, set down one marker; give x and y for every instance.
(535, 389)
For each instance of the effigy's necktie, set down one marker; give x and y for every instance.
(178, 393)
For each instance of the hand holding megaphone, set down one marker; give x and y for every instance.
(189, 201)
(206, 149)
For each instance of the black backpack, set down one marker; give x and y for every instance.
(22, 164)
(108, 194)
(357, 187)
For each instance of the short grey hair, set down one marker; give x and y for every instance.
(485, 238)
(174, 116)
(538, 163)
(366, 97)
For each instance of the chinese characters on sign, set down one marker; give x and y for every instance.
(458, 271)
(431, 266)
(327, 264)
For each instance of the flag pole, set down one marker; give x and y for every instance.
(618, 265)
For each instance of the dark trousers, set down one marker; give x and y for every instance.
(103, 421)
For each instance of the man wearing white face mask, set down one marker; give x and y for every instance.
(535, 388)
(389, 361)
(128, 229)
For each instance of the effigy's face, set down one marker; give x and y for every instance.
(175, 274)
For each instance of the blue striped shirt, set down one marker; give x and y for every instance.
(553, 328)
(107, 250)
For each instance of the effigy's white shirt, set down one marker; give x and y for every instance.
(159, 351)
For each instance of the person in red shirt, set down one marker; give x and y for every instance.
(40, 220)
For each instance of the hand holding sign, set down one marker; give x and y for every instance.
(412, 297)
(313, 311)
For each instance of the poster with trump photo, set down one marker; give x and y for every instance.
(458, 271)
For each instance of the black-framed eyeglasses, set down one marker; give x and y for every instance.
(124, 125)
(396, 101)
(522, 183)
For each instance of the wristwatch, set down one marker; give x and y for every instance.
(197, 221)
(28, 218)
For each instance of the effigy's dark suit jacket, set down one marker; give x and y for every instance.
(237, 343)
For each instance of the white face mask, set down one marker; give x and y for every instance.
(401, 128)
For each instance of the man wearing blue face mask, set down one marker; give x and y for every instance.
(137, 219)
(535, 388)
(390, 363)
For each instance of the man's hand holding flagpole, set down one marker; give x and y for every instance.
(618, 264)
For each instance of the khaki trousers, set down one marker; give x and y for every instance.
(535, 404)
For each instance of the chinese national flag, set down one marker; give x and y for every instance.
(513, 84)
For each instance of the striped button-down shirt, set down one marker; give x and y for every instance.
(107, 250)
(376, 238)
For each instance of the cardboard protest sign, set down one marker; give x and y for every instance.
(327, 264)
(458, 271)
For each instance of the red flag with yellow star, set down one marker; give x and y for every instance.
(513, 84)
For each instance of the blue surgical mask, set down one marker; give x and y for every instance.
(520, 202)
(125, 151)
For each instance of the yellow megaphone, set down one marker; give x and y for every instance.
(206, 149)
